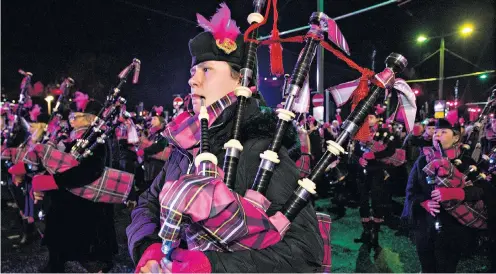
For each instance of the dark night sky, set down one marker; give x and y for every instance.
(92, 40)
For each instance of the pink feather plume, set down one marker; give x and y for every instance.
(220, 25)
(81, 100)
(35, 112)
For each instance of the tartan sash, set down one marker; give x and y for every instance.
(204, 212)
(469, 213)
(325, 232)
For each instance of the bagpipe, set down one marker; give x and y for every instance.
(114, 185)
(203, 209)
(459, 172)
(53, 128)
(475, 136)
(14, 128)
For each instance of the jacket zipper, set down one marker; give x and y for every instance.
(190, 165)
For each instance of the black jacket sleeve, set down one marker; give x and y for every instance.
(301, 249)
(390, 149)
(414, 192)
(156, 147)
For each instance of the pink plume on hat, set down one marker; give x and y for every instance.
(81, 100)
(159, 110)
(37, 90)
(379, 109)
(29, 103)
(452, 116)
(326, 125)
(35, 112)
(220, 25)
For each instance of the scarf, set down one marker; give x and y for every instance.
(186, 134)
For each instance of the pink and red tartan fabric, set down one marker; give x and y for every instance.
(185, 133)
(112, 187)
(397, 159)
(20, 153)
(325, 232)
(471, 214)
(303, 163)
(211, 217)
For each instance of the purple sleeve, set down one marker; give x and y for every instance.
(145, 220)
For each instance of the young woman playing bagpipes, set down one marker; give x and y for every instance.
(78, 229)
(444, 205)
(215, 73)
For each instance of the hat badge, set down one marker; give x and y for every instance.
(227, 45)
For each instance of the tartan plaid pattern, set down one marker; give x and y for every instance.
(397, 159)
(54, 161)
(325, 232)
(186, 133)
(209, 216)
(112, 187)
(76, 134)
(29, 155)
(303, 163)
(7, 152)
(121, 132)
(19, 154)
(471, 214)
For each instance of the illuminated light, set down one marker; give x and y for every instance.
(13, 101)
(274, 78)
(416, 91)
(467, 29)
(265, 78)
(483, 76)
(49, 98)
(421, 39)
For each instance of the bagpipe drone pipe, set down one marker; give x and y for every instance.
(114, 185)
(14, 128)
(202, 210)
(475, 136)
(53, 128)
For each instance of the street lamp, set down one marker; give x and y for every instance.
(49, 100)
(465, 30)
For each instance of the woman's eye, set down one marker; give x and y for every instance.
(206, 69)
